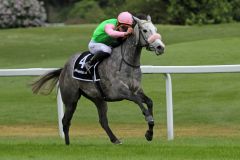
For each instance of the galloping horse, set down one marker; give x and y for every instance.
(120, 79)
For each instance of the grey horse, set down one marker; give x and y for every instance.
(120, 79)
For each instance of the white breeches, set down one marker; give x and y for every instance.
(95, 47)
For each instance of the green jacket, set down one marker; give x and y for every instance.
(100, 36)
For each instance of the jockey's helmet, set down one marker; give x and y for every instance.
(125, 18)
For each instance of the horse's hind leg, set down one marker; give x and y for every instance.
(70, 99)
(103, 120)
(66, 121)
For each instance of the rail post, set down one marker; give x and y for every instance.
(60, 112)
(169, 102)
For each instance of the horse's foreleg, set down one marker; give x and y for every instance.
(140, 99)
(149, 103)
(66, 121)
(103, 120)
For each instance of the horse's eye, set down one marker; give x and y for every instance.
(145, 31)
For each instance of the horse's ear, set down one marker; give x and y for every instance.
(136, 33)
(149, 18)
(137, 20)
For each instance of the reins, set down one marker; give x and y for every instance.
(124, 51)
(126, 62)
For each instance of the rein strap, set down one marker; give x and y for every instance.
(123, 60)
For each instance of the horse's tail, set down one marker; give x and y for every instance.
(46, 83)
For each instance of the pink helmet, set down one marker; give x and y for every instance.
(125, 17)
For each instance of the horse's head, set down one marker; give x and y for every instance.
(147, 36)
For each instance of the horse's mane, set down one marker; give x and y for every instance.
(128, 41)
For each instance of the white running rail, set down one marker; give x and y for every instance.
(166, 70)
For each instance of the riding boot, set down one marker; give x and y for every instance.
(98, 57)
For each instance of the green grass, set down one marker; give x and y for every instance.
(92, 148)
(206, 106)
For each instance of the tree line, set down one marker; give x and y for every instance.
(25, 13)
(162, 11)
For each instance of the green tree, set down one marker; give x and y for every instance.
(199, 12)
(86, 11)
(156, 8)
(235, 9)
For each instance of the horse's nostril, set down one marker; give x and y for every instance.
(160, 48)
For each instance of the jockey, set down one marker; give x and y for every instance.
(107, 35)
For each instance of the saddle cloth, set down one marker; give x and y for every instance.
(79, 70)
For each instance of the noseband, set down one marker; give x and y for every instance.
(147, 45)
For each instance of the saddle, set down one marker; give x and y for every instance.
(81, 73)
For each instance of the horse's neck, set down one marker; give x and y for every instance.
(128, 52)
(117, 67)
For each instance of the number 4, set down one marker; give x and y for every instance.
(83, 60)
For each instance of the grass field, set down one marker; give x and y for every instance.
(206, 106)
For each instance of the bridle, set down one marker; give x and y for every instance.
(147, 45)
(143, 36)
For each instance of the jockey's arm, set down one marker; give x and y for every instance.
(109, 29)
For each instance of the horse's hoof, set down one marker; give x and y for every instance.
(149, 135)
(117, 142)
(67, 142)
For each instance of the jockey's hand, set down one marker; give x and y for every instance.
(129, 32)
